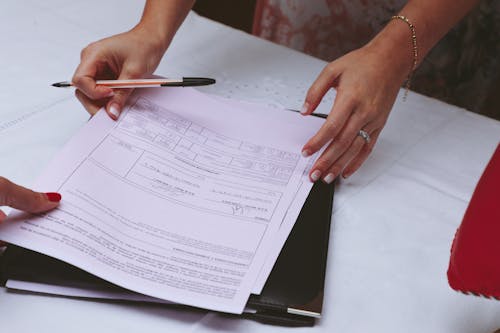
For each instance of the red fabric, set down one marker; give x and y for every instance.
(475, 252)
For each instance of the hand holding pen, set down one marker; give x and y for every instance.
(128, 56)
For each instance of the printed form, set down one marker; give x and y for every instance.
(181, 199)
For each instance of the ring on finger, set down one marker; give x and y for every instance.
(364, 135)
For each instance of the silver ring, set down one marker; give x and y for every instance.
(364, 135)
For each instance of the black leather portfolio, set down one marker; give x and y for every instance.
(292, 296)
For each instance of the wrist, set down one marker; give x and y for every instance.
(161, 19)
(394, 46)
(157, 37)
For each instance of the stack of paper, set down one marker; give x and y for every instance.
(186, 198)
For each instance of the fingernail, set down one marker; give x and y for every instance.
(329, 178)
(305, 108)
(346, 175)
(306, 153)
(315, 175)
(113, 109)
(53, 197)
(111, 94)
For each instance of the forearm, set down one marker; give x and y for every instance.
(162, 18)
(432, 19)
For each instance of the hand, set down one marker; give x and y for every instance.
(130, 55)
(367, 83)
(21, 198)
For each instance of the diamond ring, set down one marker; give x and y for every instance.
(364, 135)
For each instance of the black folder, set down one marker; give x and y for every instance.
(292, 295)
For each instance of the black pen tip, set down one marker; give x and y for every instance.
(63, 84)
(195, 81)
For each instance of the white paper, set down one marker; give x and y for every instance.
(181, 199)
(293, 211)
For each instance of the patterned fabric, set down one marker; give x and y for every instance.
(462, 69)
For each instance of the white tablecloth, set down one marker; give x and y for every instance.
(393, 221)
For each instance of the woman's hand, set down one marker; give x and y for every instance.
(21, 198)
(130, 55)
(367, 81)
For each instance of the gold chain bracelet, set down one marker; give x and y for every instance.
(415, 51)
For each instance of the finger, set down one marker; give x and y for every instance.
(342, 109)
(86, 74)
(92, 106)
(359, 159)
(337, 166)
(325, 80)
(338, 146)
(21, 198)
(117, 102)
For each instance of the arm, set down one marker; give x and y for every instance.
(162, 18)
(367, 81)
(130, 55)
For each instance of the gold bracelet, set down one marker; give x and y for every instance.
(415, 51)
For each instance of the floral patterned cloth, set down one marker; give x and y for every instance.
(462, 69)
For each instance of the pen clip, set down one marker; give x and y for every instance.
(190, 82)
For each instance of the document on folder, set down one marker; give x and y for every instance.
(183, 198)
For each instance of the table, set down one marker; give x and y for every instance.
(393, 221)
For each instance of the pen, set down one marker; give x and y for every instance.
(319, 115)
(147, 83)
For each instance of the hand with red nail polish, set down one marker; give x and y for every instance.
(21, 198)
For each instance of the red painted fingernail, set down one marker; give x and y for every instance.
(53, 197)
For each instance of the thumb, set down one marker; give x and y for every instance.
(115, 105)
(21, 198)
(325, 80)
